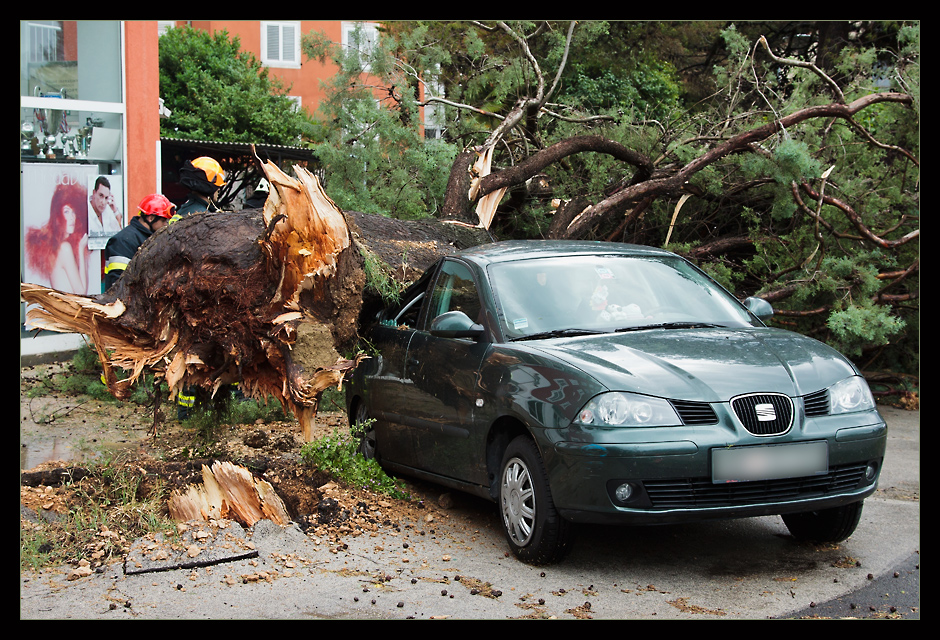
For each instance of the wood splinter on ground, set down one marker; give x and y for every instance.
(228, 492)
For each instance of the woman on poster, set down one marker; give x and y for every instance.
(59, 249)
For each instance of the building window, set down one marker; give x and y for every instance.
(362, 37)
(434, 113)
(280, 44)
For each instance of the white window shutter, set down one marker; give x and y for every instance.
(273, 52)
(280, 44)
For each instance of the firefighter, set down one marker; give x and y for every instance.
(203, 177)
(153, 213)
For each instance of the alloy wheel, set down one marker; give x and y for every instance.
(517, 498)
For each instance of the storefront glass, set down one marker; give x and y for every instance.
(75, 59)
(72, 122)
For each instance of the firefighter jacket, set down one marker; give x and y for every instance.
(121, 248)
(193, 205)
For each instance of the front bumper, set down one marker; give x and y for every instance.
(734, 508)
(671, 479)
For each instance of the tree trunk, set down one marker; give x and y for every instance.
(266, 298)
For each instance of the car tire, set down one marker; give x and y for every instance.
(535, 531)
(367, 445)
(826, 525)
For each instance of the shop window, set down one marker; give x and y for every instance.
(71, 148)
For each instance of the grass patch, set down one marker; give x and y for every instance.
(107, 511)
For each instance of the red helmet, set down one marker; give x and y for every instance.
(156, 205)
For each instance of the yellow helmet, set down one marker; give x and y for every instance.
(212, 169)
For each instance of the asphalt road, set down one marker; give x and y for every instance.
(457, 567)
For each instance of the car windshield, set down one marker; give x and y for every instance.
(587, 294)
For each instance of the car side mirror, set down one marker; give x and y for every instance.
(455, 324)
(759, 307)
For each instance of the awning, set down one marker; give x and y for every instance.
(273, 152)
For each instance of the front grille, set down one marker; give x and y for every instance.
(764, 414)
(700, 493)
(694, 413)
(816, 404)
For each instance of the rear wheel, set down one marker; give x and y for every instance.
(535, 531)
(826, 525)
(364, 427)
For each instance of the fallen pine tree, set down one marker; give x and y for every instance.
(265, 298)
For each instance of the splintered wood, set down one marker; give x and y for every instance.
(220, 298)
(228, 492)
(309, 231)
(266, 298)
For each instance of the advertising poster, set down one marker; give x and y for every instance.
(55, 226)
(104, 210)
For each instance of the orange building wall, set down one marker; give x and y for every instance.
(142, 84)
(303, 82)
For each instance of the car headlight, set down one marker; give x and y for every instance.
(619, 409)
(849, 395)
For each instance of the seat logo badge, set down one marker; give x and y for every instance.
(765, 412)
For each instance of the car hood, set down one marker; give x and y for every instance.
(710, 365)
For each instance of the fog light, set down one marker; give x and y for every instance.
(871, 471)
(624, 492)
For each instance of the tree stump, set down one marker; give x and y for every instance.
(266, 298)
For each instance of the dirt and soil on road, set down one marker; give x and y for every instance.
(61, 432)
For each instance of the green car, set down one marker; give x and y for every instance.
(593, 382)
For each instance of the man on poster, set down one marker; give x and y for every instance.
(104, 216)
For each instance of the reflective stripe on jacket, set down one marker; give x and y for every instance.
(185, 400)
(116, 263)
(121, 249)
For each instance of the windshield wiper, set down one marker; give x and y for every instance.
(558, 333)
(671, 325)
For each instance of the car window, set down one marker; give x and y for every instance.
(409, 313)
(406, 311)
(606, 293)
(455, 290)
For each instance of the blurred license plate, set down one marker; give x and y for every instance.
(769, 462)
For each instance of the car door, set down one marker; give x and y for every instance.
(386, 379)
(443, 389)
